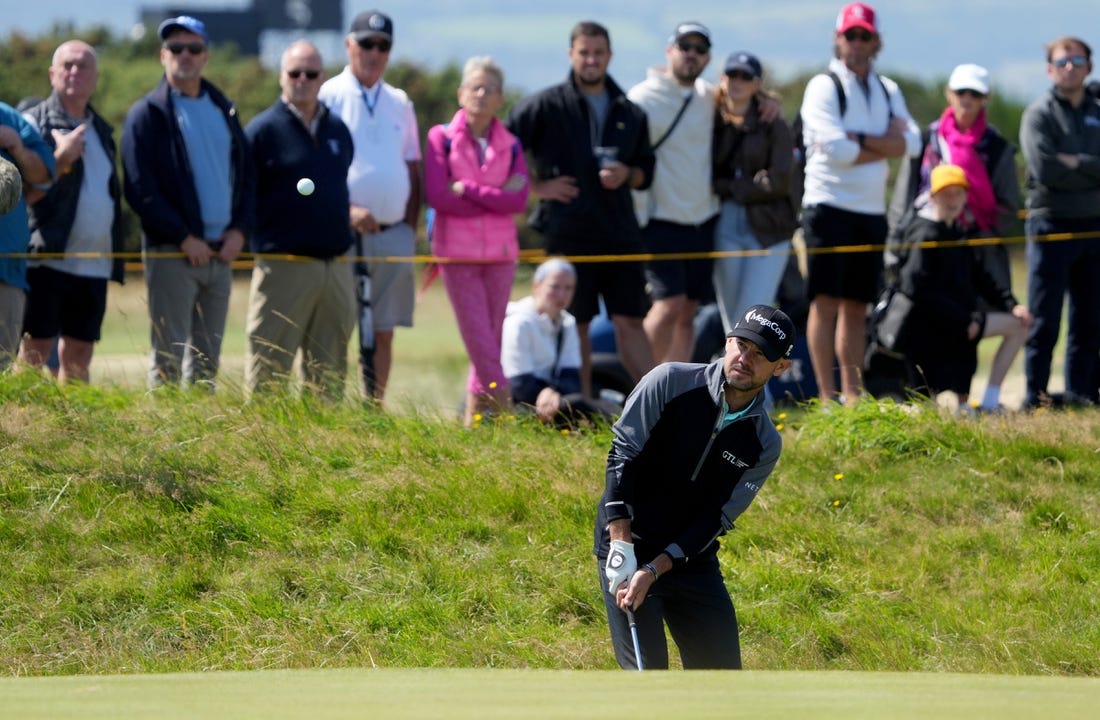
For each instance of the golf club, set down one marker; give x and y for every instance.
(634, 637)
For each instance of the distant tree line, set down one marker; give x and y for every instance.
(128, 68)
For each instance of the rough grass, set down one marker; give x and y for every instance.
(176, 532)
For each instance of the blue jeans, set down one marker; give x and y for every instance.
(749, 279)
(1055, 268)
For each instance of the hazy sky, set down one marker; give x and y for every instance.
(923, 38)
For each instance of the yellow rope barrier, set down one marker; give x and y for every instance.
(536, 256)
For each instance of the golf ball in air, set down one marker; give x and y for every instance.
(305, 186)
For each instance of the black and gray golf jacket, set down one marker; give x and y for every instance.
(675, 472)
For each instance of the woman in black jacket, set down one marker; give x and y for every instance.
(751, 173)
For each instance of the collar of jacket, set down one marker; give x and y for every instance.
(614, 92)
(716, 382)
(58, 118)
(163, 95)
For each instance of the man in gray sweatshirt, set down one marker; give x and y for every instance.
(1060, 137)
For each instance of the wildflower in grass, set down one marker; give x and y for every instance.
(779, 426)
(838, 476)
(836, 503)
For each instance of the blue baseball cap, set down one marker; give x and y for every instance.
(746, 62)
(183, 22)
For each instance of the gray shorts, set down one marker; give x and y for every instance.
(393, 283)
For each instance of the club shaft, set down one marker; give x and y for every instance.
(634, 637)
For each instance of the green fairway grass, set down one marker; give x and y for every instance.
(180, 532)
(517, 695)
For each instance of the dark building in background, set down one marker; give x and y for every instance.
(245, 26)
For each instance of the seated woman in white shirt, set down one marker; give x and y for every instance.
(541, 350)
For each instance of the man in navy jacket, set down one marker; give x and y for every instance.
(302, 154)
(690, 452)
(189, 177)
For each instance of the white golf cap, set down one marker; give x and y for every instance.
(969, 77)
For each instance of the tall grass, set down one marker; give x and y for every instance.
(175, 531)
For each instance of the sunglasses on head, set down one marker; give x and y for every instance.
(853, 34)
(371, 44)
(697, 48)
(193, 48)
(310, 74)
(1077, 61)
(740, 75)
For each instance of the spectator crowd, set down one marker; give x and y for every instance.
(707, 182)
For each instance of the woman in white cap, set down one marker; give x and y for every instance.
(963, 136)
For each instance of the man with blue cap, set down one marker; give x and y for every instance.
(189, 177)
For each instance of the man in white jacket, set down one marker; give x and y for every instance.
(678, 212)
(853, 120)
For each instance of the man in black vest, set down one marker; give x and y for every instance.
(76, 222)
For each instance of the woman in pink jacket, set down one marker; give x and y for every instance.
(475, 178)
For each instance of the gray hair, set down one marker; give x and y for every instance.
(482, 64)
(554, 265)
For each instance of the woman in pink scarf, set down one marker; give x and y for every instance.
(962, 136)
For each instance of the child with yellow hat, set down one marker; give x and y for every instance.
(943, 277)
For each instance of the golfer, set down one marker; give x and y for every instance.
(689, 453)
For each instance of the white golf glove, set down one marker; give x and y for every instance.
(621, 564)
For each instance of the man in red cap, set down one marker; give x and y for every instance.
(853, 120)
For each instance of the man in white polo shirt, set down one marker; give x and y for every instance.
(853, 120)
(383, 182)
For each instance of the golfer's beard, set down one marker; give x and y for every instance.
(744, 385)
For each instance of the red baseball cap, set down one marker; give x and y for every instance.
(856, 15)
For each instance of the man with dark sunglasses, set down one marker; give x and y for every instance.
(383, 182)
(853, 121)
(1060, 138)
(678, 211)
(307, 302)
(188, 176)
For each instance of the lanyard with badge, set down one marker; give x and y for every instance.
(372, 104)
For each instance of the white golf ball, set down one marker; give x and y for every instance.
(305, 186)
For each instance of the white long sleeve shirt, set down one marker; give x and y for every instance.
(832, 177)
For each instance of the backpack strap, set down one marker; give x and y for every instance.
(841, 96)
